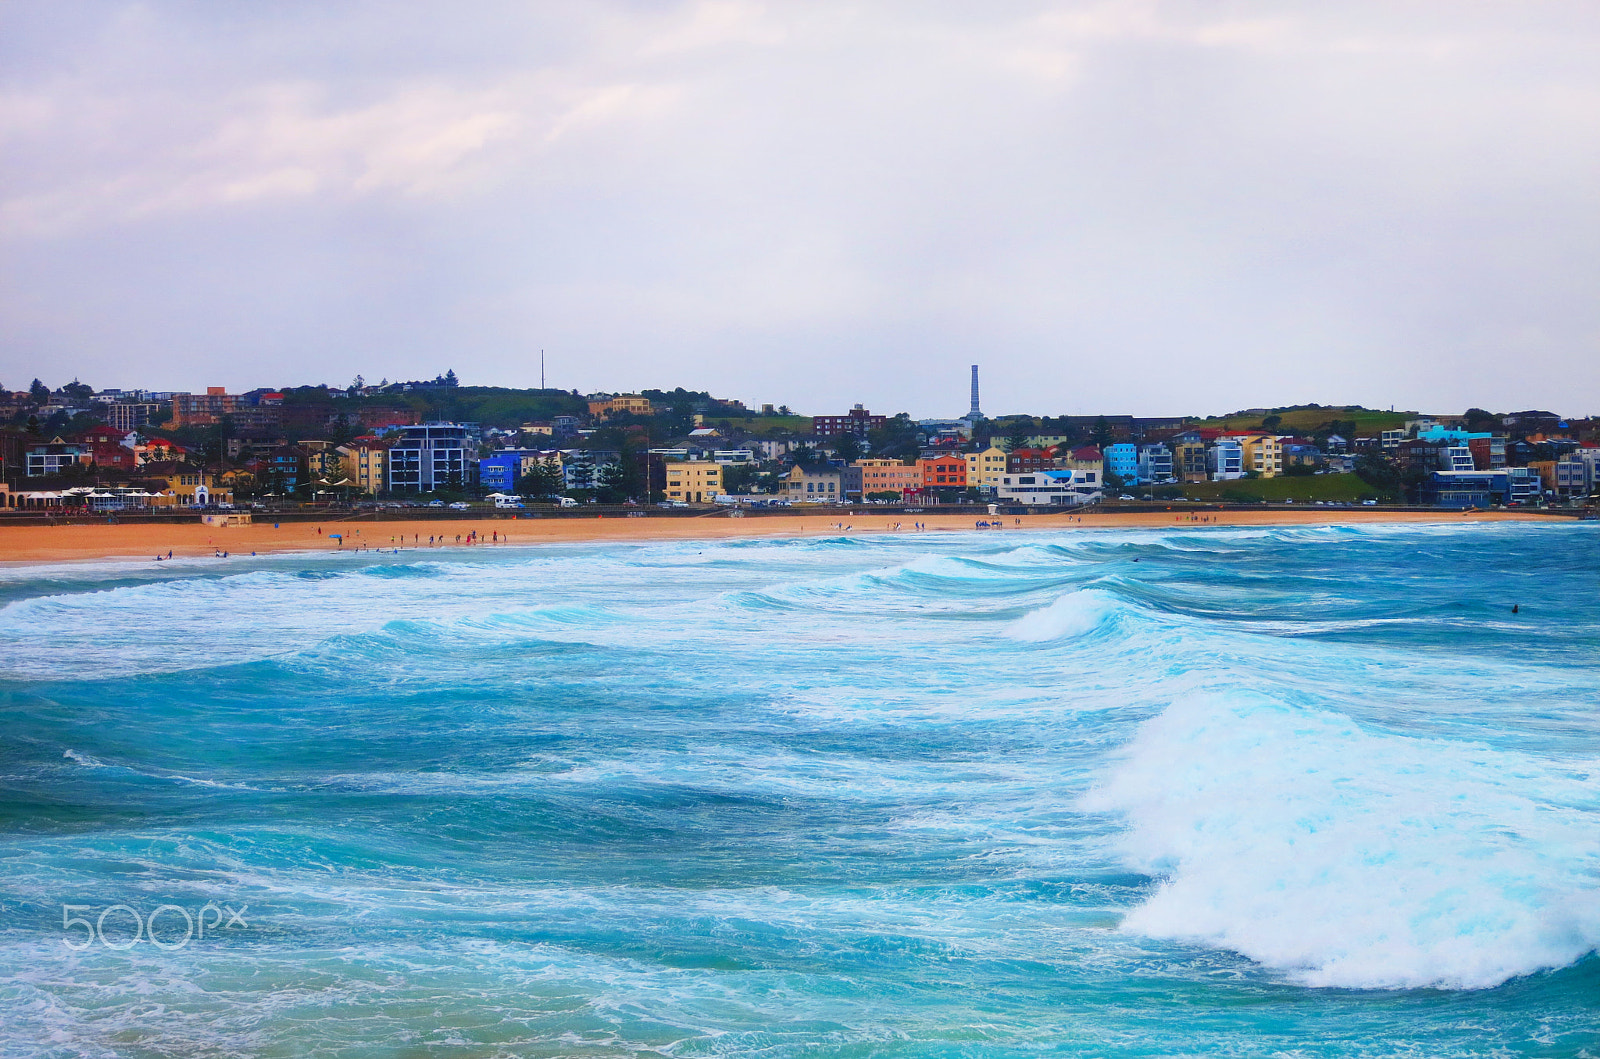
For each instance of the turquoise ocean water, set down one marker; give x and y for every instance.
(1275, 792)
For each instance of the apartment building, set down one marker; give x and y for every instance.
(428, 457)
(694, 481)
(365, 462)
(889, 476)
(817, 483)
(986, 468)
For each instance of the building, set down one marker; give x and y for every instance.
(1083, 458)
(947, 471)
(1122, 461)
(582, 468)
(428, 457)
(1463, 489)
(1488, 452)
(1155, 463)
(260, 412)
(1578, 472)
(499, 471)
(819, 483)
(1023, 460)
(187, 485)
(129, 416)
(986, 468)
(285, 469)
(1050, 488)
(1189, 458)
(889, 476)
(55, 456)
(1225, 460)
(1457, 458)
(365, 462)
(694, 481)
(1263, 454)
(957, 430)
(857, 421)
(603, 406)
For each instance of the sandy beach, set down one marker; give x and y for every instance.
(31, 544)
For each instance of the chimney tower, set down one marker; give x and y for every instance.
(974, 414)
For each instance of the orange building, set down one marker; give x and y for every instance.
(889, 476)
(943, 472)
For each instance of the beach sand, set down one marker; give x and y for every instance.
(32, 544)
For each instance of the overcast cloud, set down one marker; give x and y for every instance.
(1130, 206)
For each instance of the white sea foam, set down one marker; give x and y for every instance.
(1353, 859)
(1075, 614)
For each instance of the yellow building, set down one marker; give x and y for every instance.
(631, 403)
(366, 464)
(189, 486)
(1189, 461)
(986, 468)
(694, 481)
(1262, 453)
(892, 476)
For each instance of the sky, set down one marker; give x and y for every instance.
(1129, 206)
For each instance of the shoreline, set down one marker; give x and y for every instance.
(30, 545)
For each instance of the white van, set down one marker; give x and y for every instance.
(566, 501)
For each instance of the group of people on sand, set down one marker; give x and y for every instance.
(434, 540)
(1195, 516)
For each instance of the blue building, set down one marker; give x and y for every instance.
(500, 472)
(1463, 489)
(1122, 460)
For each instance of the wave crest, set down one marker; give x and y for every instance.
(1354, 859)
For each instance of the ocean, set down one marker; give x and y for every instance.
(1310, 791)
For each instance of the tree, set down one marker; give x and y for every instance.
(39, 392)
(543, 479)
(803, 455)
(847, 447)
(737, 478)
(341, 431)
(1476, 420)
(1018, 438)
(611, 482)
(450, 378)
(1101, 435)
(896, 439)
(1271, 422)
(78, 391)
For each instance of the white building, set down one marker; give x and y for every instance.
(1042, 488)
(1225, 460)
(1578, 472)
(1155, 463)
(431, 456)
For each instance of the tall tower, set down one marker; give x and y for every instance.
(975, 413)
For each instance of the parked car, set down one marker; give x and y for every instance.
(436, 503)
(1369, 503)
(566, 501)
(460, 505)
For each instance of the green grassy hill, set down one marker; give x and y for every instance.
(1345, 487)
(1368, 421)
(762, 425)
